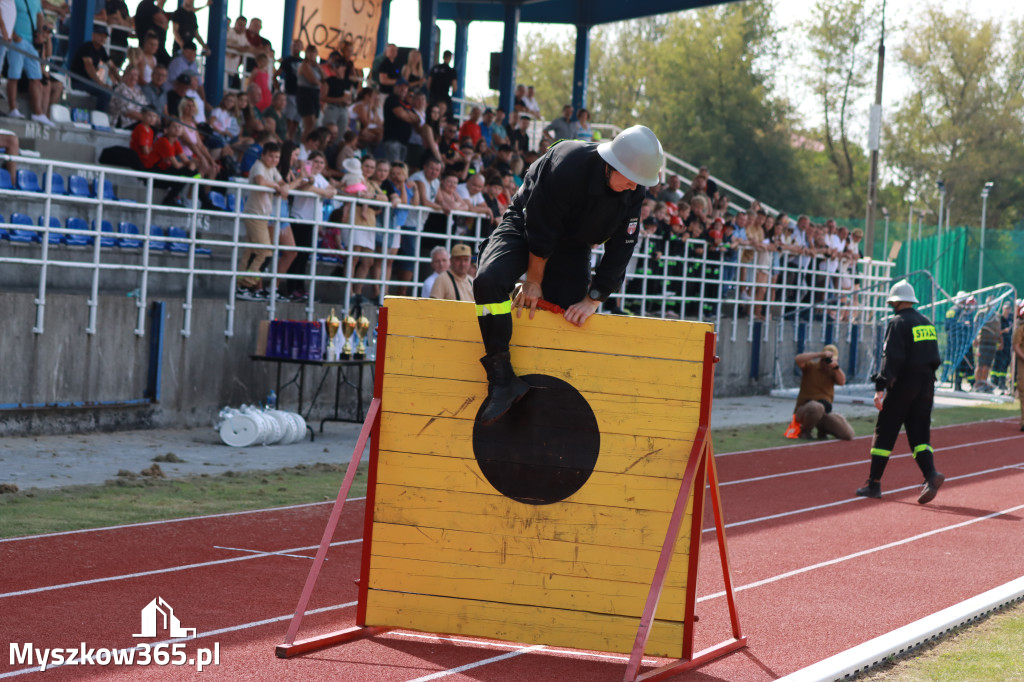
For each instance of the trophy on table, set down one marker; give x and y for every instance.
(362, 330)
(333, 323)
(348, 325)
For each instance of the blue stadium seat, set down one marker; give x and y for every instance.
(4, 232)
(108, 227)
(73, 223)
(57, 186)
(155, 231)
(181, 246)
(79, 187)
(5, 179)
(108, 190)
(55, 238)
(231, 202)
(28, 181)
(218, 200)
(20, 236)
(128, 242)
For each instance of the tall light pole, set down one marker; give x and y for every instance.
(910, 232)
(942, 200)
(981, 250)
(874, 137)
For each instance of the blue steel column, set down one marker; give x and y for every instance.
(461, 55)
(428, 20)
(217, 39)
(384, 26)
(79, 28)
(580, 69)
(508, 56)
(288, 28)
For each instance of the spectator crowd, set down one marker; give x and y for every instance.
(312, 121)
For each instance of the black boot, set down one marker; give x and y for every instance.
(504, 388)
(872, 489)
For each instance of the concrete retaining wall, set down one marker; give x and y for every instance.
(207, 370)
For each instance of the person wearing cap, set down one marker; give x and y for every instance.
(1018, 352)
(90, 63)
(820, 374)
(578, 194)
(904, 392)
(455, 284)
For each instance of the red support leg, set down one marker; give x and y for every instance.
(372, 417)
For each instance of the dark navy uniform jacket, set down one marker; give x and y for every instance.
(911, 346)
(565, 202)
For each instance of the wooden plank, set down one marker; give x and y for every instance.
(590, 524)
(510, 622)
(538, 585)
(637, 454)
(628, 491)
(616, 335)
(591, 372)
(513, 551)
(441, 397)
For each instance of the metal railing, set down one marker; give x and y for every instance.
(701, 284)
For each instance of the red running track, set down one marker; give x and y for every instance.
(817, 571)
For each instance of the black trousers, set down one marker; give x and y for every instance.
(907, 404)
(504, 259)
(506, 256)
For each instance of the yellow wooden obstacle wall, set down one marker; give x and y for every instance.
(451, 554)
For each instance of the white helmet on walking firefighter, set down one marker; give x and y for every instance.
(636, 153)
(901, 292)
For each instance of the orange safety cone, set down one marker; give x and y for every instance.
(793, 430)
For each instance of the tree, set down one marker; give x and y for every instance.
(964, 120)
(838, 57)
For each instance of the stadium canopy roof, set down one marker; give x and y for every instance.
(576, 12)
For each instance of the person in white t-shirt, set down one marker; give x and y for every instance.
(304, 214)
(265, 174)
(472, 190)
(238, 42)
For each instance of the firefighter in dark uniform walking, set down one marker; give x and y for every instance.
(577, 195)
(904, 392)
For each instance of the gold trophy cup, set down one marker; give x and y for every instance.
(348, 325)
(362, 330)
(333, 323)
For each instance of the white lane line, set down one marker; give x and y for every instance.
(917, 486)
(812, 443)
(259, 551)
(470, 666)
(173, 569)
(505, 645)
(202, 635)
(864, 552)
(158, 523)
(860, 462)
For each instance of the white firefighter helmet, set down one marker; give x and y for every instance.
(902, 292)
(636, 153)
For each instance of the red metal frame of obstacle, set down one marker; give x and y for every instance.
(699, 468)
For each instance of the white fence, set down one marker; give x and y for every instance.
(67, 231)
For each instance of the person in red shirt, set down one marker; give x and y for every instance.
(143, 137)
(171, 160)
(471, 128)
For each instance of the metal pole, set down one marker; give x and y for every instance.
(981, 248)
(910, 233)
(874, 136)
(885, 240)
